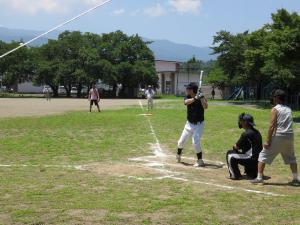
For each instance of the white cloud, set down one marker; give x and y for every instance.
(48, 6)
(155, 11)
(32, 7)
(91, 2)
(119, 12)
(135, 12)
(185, 6)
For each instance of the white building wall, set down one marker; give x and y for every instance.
(165, 66)
(183, 79)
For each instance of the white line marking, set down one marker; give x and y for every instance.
(209, 184)
(76, 167)
(156, 147)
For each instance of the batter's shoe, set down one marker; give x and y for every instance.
(178, 157)
(199, 163)
(295, 183)
(257, 181)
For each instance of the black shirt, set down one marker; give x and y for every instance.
(195, 111)
(251, 138)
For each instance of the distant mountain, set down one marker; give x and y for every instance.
(163, 49)
(167, 50)
(9, 35)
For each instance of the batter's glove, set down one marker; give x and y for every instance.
(199, 96)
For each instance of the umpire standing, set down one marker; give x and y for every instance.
(280, 139)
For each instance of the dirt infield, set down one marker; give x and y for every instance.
(13, 107)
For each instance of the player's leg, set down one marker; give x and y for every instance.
(151, 103)
(98, 107)
(227, 160)
(233, 165)
(91, 105)
(288, 155)
(198, 131)
(250, 167)
(266, 157)
(186, 134)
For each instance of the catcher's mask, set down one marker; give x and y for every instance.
(245, 117)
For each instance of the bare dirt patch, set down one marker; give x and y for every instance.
(14, 107)
(120, 169)
(5, 218)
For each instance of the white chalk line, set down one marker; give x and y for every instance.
(151, 161)
(76, 167)
(157, 147)
(226, 187)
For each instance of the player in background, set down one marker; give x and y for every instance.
(94, 98)
(250, 144)
(196, 105)
(149, 95)
(280, 139)
(47, 93)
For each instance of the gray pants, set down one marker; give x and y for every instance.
(283, 145)
(150, 103)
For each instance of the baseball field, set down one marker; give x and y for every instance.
(61, 165)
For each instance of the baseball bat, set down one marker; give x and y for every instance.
(200, 81)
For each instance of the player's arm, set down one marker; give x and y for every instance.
(235, 147)
(189, 101)
(204, 103)
(89, 96)
(240, 143)
(271, 128)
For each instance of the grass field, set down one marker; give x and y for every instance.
(75, 168)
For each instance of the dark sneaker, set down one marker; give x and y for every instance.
(257, 181)
(199, 163)
(295, 183)
(235, 178)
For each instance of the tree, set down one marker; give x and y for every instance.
(16, 67)
(269, 54)
(283, 54)
(47, 66)
(217, 78)
(77, 59)
(230, 50)
(131, 58)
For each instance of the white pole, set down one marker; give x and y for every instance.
(55, 28)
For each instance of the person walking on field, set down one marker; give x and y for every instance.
(47, 94)
(280, 139)
(94, 98)
(213, 93)
(149, 95)
(196, 105)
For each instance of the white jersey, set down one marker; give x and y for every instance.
(94, 94)
(284, 125)
(149, 94)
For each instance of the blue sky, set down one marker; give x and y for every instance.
(184, 21)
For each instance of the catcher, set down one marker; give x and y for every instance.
(250, 144)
